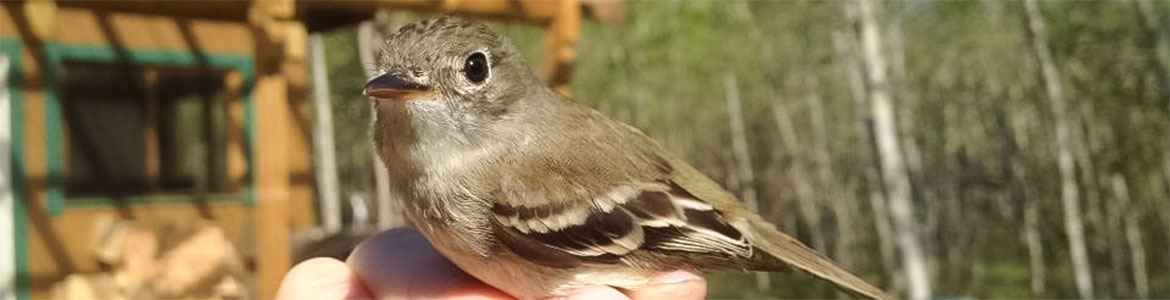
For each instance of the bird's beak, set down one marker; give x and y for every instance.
(394, 87)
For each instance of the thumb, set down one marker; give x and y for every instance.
(322, 278)
(677, 285)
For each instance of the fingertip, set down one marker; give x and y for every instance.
(401, 263)
(676, 285)
(321, 278)
(595, 293)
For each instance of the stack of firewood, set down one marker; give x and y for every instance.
(181, 260)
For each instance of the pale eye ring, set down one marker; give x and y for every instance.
(475, 67)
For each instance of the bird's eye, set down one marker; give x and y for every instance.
(476, 67)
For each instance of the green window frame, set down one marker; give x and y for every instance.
(56, 53)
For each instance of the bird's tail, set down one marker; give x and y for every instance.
(798, 256)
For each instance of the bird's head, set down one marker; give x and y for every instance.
(448, 79)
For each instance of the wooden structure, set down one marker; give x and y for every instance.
(97, 93)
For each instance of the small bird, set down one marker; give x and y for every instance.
(539, 196)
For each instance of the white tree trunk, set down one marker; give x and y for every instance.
(739, 145)
(905, 126)
(905, 113)
(389, 214)
(327, 183)
(1020, 193)
(830, 192)
(1094, 218)
(797, 171)
(852, 69)
(1070, 197)
(893, 170)
(783, 120)
(743, 159)
(1149, 20)
(824, 173)
(1133, 236)
(7, 197)
(1114, 233)
(1035, 247)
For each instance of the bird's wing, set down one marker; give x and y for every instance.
(653, 220)
(606, 197)
(766, 237)
(630, 201)
(687, 220)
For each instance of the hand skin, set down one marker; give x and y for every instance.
(401, 264)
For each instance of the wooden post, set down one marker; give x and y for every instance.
(272, 186)
(43, 18)
(276, 47)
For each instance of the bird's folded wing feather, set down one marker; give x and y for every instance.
(766, 237)
(634, 203)
(655, 219)
(668, 222)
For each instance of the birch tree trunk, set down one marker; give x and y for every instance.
(905, 114)
(1069, 193)
(1133, 236)
(905, 127)
(830, 194)
(797, 171)
(1017, 175)
(1032, 238)
(1158, 30)
(739, 145)
(389, 214)
(1092, 210)
(323, 132)
(893, 171)
(1115, 239)
(1035, 247)
(743, 159)
(852, 69)
(7, 190)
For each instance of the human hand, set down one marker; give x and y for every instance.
(401, 264)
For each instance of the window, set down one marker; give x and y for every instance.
(145, 130)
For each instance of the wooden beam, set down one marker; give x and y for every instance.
(603, 10)
(237, 164)
(539, 12)
(325, 15)
(223, 10)
(43, 18)
(560, 39)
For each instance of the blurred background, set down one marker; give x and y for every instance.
(940, 149)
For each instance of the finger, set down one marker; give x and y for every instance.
(401, 264)
(677, 285)
(602, 292)
(321, 278)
